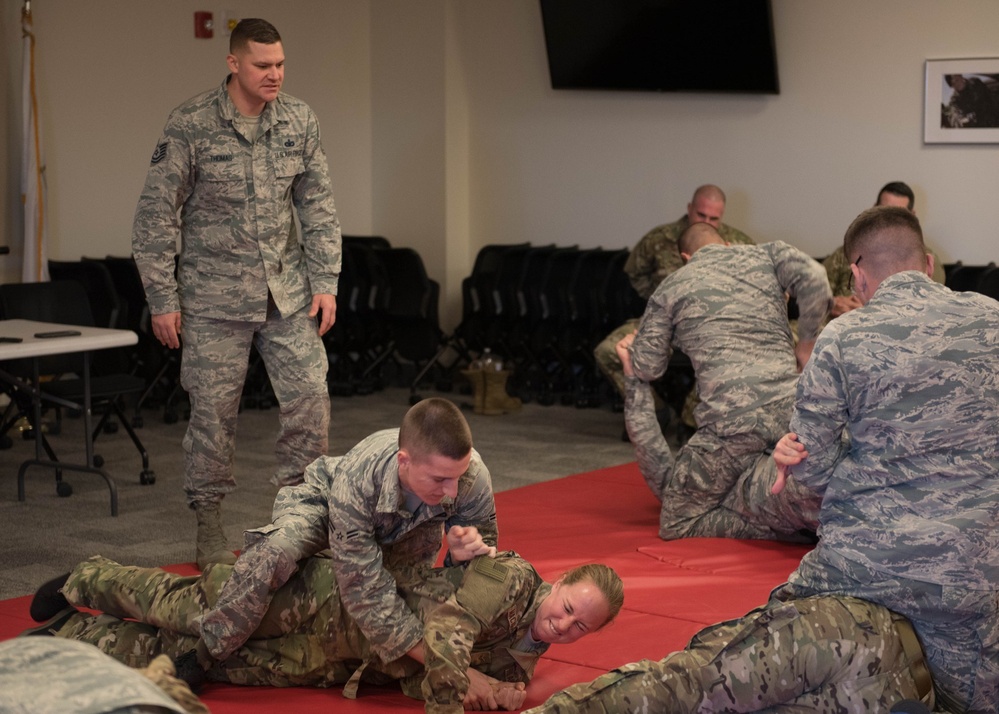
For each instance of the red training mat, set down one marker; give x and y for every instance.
(672, 589)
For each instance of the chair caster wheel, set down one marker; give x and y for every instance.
(147, 477)
(63, 489)
(98, 461)
(414, 399)
(170, 417)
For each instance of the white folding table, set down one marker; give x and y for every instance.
(86, 341)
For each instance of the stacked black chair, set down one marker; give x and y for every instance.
(949, 268)
(988, 284)
(581, 326)
(964, 278)
(105, 304)
(547, 304)
(378, 242)
(359, 342)
(411, 312)
(620, 301)
(502, 304)
(533, 268)
(479, 319)
(107, 310)
(591, 300)
(157, 365)
(342, 339)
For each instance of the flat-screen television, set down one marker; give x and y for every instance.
(661, 45)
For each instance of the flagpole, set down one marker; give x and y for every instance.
(33, 196)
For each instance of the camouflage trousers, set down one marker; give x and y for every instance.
(303, 640)
(299, 529)
(958, 627)
(811, 655)
(606, 357)
(213, 371)
(719, 486)
(605, 354)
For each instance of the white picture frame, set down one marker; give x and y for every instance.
(971, 120)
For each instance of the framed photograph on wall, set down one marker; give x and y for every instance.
(962, 101)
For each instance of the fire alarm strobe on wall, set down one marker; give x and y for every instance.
(203, 25)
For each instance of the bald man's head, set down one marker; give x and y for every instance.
(707, 205)
(696, 237)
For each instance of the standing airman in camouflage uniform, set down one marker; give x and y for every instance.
(383, 506)
(726, 310)
(232, 167)
(822, 654)
(896, 425)
(492, 617)
(895, 193)
(656, 256)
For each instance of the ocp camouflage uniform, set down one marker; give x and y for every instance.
(652, 259)
(656, 256)
(840, 277)
(726, 311)
(243, 276)
(911, 498)
(478, 615)
(827, 655)
(353, 505)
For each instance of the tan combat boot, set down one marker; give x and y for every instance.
(212, 546)
(497, 401)
(475, 378)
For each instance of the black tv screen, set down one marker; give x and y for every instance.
(661, 45)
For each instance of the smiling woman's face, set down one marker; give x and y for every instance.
(570, 612)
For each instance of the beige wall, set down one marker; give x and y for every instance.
(444, 134)
(600, 168)
(109, 72)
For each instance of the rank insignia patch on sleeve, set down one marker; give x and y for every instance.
(160, 153)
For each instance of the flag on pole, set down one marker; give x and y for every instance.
(33, 194)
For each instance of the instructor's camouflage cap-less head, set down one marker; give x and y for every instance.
(252, 29)
(435, 426)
